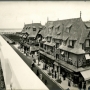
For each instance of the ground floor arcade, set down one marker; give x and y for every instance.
(75, 77)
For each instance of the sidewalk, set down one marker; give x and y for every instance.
(64, 83)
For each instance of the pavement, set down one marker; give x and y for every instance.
(28, 60)
(52, 83)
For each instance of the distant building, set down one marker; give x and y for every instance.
(9, 31)
(30, 34)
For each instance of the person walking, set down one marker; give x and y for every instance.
(55, 75)
(41, 76)
(69, 83)
(37, 73)
(84, 86)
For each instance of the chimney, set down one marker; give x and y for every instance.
(62, 30)
(47, 19)
(80, 14)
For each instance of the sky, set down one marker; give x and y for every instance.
(14, 14)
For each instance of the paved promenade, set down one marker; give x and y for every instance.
(63, 85)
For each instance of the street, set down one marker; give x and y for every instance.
(50, 84)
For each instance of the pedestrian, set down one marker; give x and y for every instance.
(84, 86)
(45, 82)
(37, 73)
(52, 70)
(52, 75)
(69, 83)
(45, 67)
(41, 76)
(55, 75)
(32, 55)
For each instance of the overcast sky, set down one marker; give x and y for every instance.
(15, 14)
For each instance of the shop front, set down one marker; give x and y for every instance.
(65, 72)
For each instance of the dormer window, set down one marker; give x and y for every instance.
(71, 43)
(57, 45)
(68, 27)
(68, 30)
(57, 29)
(34, 29)
(87, 43)
(28, 27)
(49, 30)
(64, 42)
(49, 39)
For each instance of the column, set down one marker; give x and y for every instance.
(58, 72)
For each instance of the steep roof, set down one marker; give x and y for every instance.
(29, 29)
(77, 32)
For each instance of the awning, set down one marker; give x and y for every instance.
(67, 68)
(44, 39)
(55, 63)
(87, 56)
(62, 52)
(49, 44)
(86, 74)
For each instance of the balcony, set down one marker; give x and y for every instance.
(48, 55)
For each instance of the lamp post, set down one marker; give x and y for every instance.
(11, 86)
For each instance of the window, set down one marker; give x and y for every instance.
(57, 28)
(57, 45)
(57, 56)
(49, 39)
(34, 29)
(64, 42)
(68, 27)
(67, 54)
(49, 30)
(68, 30)
(45, 47)
(87, 43)
(41, 45)
(71, 43)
